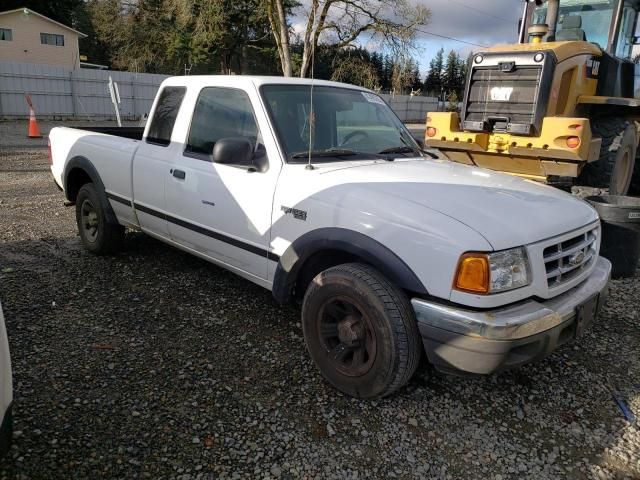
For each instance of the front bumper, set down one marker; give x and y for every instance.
(459, 340)
(540, 156)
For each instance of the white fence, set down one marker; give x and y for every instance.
(58, 93)
(62, 94)
(412, 109)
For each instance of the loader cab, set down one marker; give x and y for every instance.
(610, 24)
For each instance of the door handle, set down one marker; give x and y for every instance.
(178, 174)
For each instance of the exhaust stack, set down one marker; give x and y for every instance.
(552, 19)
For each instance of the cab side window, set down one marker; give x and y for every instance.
(628, 31)
(220, 113)
(165, 114)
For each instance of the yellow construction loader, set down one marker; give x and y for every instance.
(560, 106)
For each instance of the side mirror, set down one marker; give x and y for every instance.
(239, 151)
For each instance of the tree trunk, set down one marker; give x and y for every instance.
(311, 34)
(279, 27)
(307, 48)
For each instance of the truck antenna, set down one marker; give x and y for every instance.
(312, 115)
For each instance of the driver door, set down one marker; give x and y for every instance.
(222, 211)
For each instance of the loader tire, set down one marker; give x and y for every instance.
(615, 166)
(635, 181)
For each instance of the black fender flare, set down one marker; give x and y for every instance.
(83, 163)
(349, 241)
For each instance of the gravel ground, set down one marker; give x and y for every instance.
(152, 363)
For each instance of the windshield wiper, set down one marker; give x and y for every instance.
(420, 151)
(401, 149)
(329, 152)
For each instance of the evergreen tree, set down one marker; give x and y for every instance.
(433, 82)
(417, 82)
(462, 78)
(451, 73)
(377, 60)
(387, 73)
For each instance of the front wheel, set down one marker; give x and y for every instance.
(615, 166)
(360, 331)
(97, 234)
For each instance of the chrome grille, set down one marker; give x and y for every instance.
(568, 259)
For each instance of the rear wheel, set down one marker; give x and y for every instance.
(360, 331)
(97, 235)
(614, 169)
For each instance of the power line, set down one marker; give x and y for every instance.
(450, 38)
(464, 5)
(429, 33)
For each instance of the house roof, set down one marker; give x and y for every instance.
(28, 10)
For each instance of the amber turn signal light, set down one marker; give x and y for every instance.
(431, 132)
(473, 273)
(573, 142)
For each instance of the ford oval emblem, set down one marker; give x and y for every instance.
(576, 259)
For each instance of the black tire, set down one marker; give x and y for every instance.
(614, 169)
(634, 189)
(97, 234)
(360, 331)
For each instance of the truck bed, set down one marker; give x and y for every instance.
(133, 133)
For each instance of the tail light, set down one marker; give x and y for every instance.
(573, 142)
(49, 150)
(431, 132)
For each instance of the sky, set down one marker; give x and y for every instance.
(483, 22)
(480, 22)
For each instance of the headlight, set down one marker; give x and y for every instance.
(493, 272)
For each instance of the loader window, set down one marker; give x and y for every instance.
(580, 20)
(625, 41)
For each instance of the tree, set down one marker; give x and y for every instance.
(463, 68)
(433, 82)
(417, 83)
(341, 22)
(356, 71)
(401, 78)
(165, 36)
(58, 10)
(453, 100)
(280, 30)
(451, 72)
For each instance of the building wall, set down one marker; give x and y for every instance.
(26, 46)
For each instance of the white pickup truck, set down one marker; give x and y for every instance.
(316, 191)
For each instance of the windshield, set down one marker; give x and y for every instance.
(344, 123)
(581, 20)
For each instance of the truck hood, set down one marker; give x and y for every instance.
(507, 211)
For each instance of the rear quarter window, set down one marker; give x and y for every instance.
(165, 114)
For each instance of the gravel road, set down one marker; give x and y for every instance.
(154, 364)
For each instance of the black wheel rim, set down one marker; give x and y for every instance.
(347, 336)
(89, 221)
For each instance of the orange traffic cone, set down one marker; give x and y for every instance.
(34, 131)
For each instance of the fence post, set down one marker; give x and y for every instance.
(74, 100)
(133, 99)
